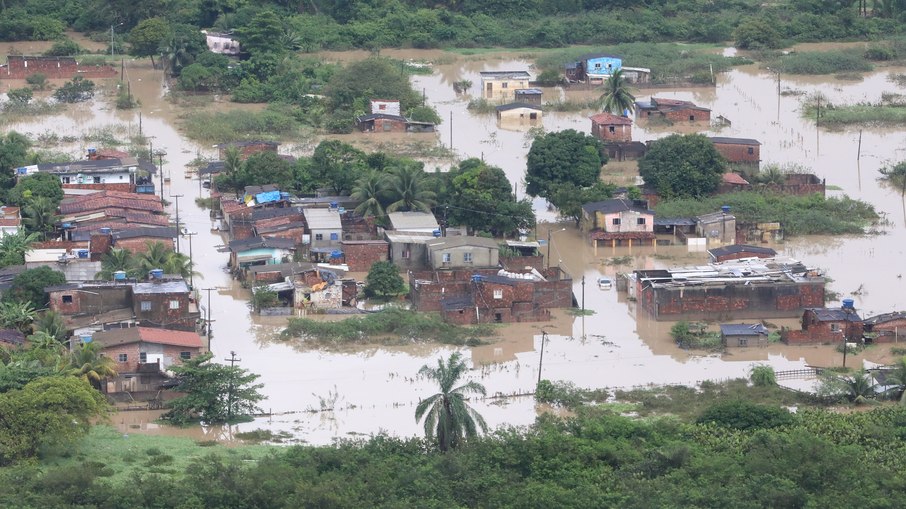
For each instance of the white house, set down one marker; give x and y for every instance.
(221, 43)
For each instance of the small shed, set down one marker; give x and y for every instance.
(743, 334)
(382, 122)
(738, 150)
(519, 111)
(529, 96)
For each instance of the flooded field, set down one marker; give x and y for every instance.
(319, 395)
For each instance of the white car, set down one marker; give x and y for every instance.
(605, 283)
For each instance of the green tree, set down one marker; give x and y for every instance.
(348, 91)
(262, 34)
(47, 411)
(384, 280)
(213, 392)
(159, 256)
(77, 89)
(565, 157)
(408, 189)
(20, 95)
(181, 47)
(338, 165)
(38, 185)
(755, 33)
(617, 97)
(28, 286)
(569, 198)
(680, 166)
(371, 193)
(763, 375)
(116, 260)
(40, 216)
(13, 153)
(51, 323)
(448, 418)
(481, 197)
(146, 39)
(896, 378)
(745, 415)
(88, 363)
(37, 81)
(13, 247)
(64, 48)
(17, 315)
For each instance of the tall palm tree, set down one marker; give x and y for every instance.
(448, 418)
(87, 363)
(117, 260)
(41, 215)
(617, 97)
(176, 54)
(159, 256)
(13, 247)
(371, 192)
(408, 188)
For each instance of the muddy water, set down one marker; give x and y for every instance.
(318, 395)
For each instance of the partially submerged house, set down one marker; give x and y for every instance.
(222, 43)
(409, 251)
(738, 150)
(462, 252)
(165, 303)
(137, 240)
(128, 175)
(740, 251)
(529, 96)
(519, 112)
(260, 251)
(608, 127)
(386, 116)
(22, 66)
(674, 110)
(143, 355)
(826, 325)
(618, 222)
(593, 67)
(325, 230)
(501, 85)
(743, 334)
(739, 289)
(885, 328)
(717, 227)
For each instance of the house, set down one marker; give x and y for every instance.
(501, 85)
(731, 183)
(593, 67)
(318, 288)
(636, 75)
(259, 251)
(221, 43)
(743, 334)
(247, 148)
(519, 112)
(674, 110)
(718, 227)
(409, 251)
(10, 220)
(20, 67)
(360, 255)
(740, 251)
(738, 150)
(164, 302)
(358, 227)
(11, 338)
(611, 128)
(77, 208)
(93, 306)
(826, 325)
(123, 175)
(738, 289)
(462, 252)
(325, 229)
(885, 328)
(469, 296)
(386, 107)
(618, 221)
(275, 272)
(413, 222)
(71, 258)
(528, 96)
(143, 355)
(138, 239)
(382, 122)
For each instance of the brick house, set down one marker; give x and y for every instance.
(10, 220)
(165, 303)
(673, 110)
(718, 227)
(382, 123)
(618, 221)
(738, 251)
(275, 272)
(738, 150)
(360, 255)
(247, 148)
(885, 328)
(137, 240)
(743, 334)
(826, 325)
(800, 184)
(731, 183)
(143, 355)
(611, 128)
(89, 307)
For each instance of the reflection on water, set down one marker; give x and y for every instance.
(365, 390)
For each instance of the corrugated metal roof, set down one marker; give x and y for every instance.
(743, 329)
(413, 220)
(323, 219)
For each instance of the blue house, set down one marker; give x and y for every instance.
(593, 67)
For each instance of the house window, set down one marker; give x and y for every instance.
(185, 355)
(751, 150)
(640, 221)
(406, 253)
(65, 180)
(146, 305)
(504, 85)
(174, 304)
(382, 107)
(67, 299)
(319, 236)
(121, 177)
(498, 294)
(691, 118)
(743, 342)
(143, 357)
(616, 221)
(97, 180)
(533, 116)
(123, 357)
(334, 236)
(835, 327)
(612, 129)
(598, 65)
(467, 257)
(446, 257)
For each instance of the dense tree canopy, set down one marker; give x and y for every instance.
(44, 185)
(682, 166)
(565, 157)
(214, 392)
(384, 280)
(481, 197)
(29, 286)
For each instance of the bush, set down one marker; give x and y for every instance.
(424, 114)
(763, 376)
(20, 95)
(567, 395)
(37, 81)
(64, 48)
(76, 90)
(743, 415)
(384, 280)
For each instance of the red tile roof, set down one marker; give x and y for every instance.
(114, 337)
(93, 202)
(734, 178)
(610, 119)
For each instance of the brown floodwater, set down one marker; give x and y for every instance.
(319, 394)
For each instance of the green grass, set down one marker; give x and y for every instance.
(219, 127)
(117, 456)
(822, 62)
(860, 114)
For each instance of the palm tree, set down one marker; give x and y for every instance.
(40, 215)
(159, 256)
(17, 315)
(51, 323)
(896, 377)
(859, 388)
(176, 55)
(617, 97)
(408, 188)
(117, 260)
(13, 247)
(371, 192)
(87, 363)
(448, 418)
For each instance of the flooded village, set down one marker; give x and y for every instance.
(635, 272)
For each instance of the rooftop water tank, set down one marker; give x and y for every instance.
(725, 209)
(336, 254)
(156, 273)
(436, 233)
(83, 253)
(105, 231)
(85, 338)
(119, 275)
(848, 304)
(477, 278)
(334, 204)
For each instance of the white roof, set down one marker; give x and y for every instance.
(323, 219)
(403, 221)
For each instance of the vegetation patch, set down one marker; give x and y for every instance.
(567, 394)
(216, 127)
(694, 336)
(392, 325)
(822, 62)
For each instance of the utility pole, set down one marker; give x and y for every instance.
(207, 312)
(232, 360)
(111, 40)
(178, 229)
(191, 260)
(583, 295)
(541, 359)
(451, 130)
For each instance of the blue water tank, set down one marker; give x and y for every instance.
(92, 151)
(119, 275)
(477, 278)
(105, 231)
(725, 209)
(67, 226)
(83, 253)
(336, 254)
(848, 304)
(85, 338)
(436, 233)
(156, 273)
(334, 204)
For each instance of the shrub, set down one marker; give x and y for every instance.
(743, 415)
(64, 48)
(20, 95)
(76, 90)
(37, 81)
(763, 376)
